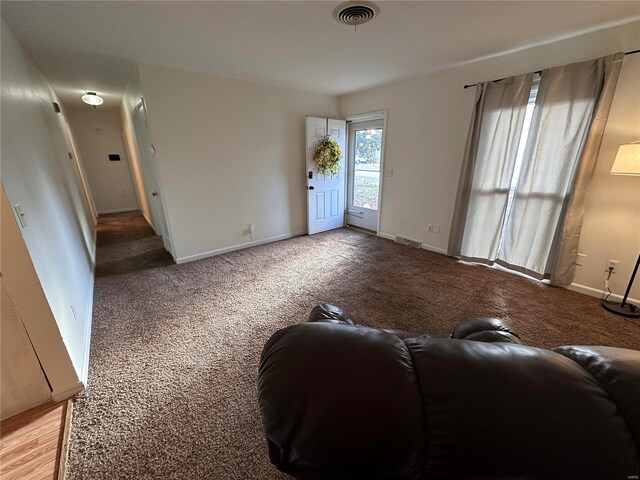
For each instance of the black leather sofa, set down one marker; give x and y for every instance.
(341, 401)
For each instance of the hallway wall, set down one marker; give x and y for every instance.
(98, 133)
(48, 264)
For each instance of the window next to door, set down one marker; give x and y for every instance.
(364, 169)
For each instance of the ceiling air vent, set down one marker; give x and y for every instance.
(356, 13)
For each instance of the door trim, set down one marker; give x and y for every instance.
(363, 117)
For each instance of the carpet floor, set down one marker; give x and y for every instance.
(175, 348)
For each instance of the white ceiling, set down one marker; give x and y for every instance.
(83, 46)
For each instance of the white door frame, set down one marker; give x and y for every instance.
(363, 117)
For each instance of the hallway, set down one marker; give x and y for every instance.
(127, 243)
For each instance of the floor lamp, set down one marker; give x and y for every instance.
(627, 162)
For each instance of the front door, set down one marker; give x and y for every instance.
(325, 193)
(363, 190)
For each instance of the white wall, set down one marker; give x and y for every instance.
(38, 174)
(98, 133)
(428, 119)
(611, 228)
(229, 153)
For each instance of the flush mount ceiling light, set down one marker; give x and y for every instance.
(355, 13)
(92, 98)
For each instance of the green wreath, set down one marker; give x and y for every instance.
(328, 155)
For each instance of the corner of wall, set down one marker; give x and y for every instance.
(30, 301)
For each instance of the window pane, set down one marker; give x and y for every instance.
(365, 189)
(368, 145)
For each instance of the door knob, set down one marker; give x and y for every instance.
(311, 187)
(155, 194)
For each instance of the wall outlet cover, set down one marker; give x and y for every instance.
(612, 265)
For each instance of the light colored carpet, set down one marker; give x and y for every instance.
(175, 349)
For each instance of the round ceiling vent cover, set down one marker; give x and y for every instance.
(356, 13)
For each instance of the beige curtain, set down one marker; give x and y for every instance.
(487, 168)
(565, 253)
(541, 236)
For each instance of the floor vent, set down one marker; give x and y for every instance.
(408, 242)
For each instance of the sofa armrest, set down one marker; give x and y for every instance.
(617, 371)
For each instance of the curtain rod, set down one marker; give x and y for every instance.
(540, 71)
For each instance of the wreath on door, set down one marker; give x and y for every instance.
(328, 155)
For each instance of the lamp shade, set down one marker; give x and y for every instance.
(627, 160)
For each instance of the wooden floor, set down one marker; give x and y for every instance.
(31, 443)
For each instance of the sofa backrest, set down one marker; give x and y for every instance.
(499, 410)
(347, 402)
(341, 401)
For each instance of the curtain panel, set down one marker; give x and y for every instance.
(487, 169)
(543, 230)
(565, 254)
(538, 231)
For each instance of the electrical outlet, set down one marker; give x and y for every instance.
(612, 266)
(430, 228)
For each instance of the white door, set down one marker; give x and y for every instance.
(150, 175)
(364, 165)
(325, 193)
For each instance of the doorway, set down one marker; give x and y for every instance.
(364, 166)
(149, 174)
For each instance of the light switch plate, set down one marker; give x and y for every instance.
(20, 215)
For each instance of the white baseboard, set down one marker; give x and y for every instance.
(594, 292)
(233, 248)
(434, 249)
(67, 392)
(84, 368)
(118, 210)
(387, 236)
(423, 245)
